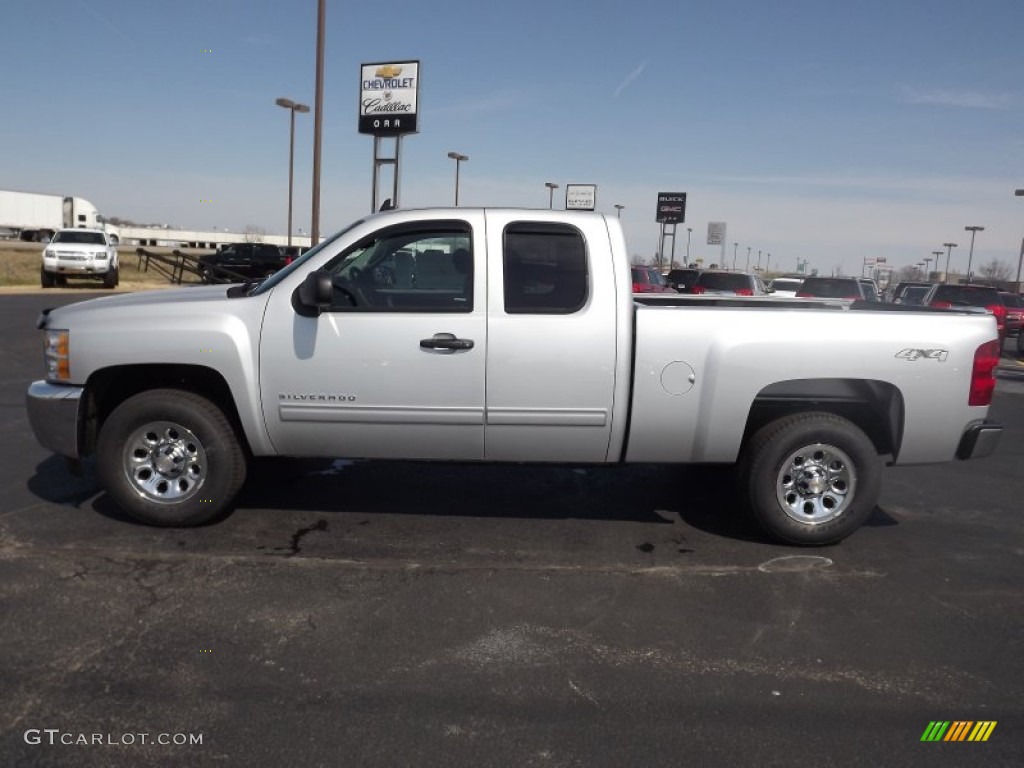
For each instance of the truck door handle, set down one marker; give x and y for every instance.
(446, 341)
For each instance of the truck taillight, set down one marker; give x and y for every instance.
(697, 289)
(941, 304)
(983, 373)
(744, 292)
(803, 295)
(638, 288)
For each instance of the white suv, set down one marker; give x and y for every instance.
(79, 253)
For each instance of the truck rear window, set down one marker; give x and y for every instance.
(545, 268)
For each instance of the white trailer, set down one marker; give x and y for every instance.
(36, 217)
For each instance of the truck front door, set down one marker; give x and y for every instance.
(394, 368)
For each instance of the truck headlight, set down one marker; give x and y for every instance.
(100, 256)
(57, 355)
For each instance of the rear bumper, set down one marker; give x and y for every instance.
(53, 413)
(979, 440)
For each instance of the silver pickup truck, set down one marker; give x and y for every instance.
(505, 335)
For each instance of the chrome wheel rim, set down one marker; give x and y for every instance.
(165, 462)
(816, 484)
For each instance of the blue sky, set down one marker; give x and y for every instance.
(816, 129)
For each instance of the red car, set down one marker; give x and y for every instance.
(649, 280)
(949, 296)
(1014, 304)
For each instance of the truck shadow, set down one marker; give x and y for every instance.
(701, 497)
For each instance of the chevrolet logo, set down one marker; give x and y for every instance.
(388, 70)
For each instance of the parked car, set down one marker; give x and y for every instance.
(870, 288)
(648, 280)
(1014, 304)
(949, 296)
(910, 292)
(836, 288)
(88, 253)
(786, 286)
(681, 279)
(248, 261)
(728, 284)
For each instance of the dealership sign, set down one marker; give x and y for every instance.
(388, 95)
(716, 232)
(671, 208)
(580, 197)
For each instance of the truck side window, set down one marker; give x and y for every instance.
(545, 268)
(424, 268)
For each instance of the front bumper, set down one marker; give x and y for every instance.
(979, 440)
(54, 414)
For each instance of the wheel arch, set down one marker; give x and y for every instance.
(109, 387)
(875, 406)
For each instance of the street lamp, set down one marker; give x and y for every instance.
(747, 268)
(767, 261)
(689, 231)
(618, 210)
(551, 193)
(949, 249)
(293, 107)
(928, 261)
(758, 267)
(1016, 287)
(734, 247)
(318, 118)
(970, 257)
(458, 159)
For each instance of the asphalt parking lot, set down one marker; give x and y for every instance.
(379, 614)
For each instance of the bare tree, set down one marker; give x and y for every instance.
(994, 270)
(254, 234)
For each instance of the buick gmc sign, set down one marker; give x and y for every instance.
(671, 208)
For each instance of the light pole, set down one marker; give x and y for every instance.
(1016, 287)
(949, 249)
(458, 159)
(928, 261)
(293, 107)
(618, 210)
(734, 247)
(318, 118)
(689, 231)
(551, 193)
(758, 267)
(747, 268)
(970, 257)
(767, 261)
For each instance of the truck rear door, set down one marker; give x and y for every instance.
(551, 328)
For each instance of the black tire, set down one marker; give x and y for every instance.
(170, 458)
(1020, 343)
(45, 278)
(810, 478)
(110, 280)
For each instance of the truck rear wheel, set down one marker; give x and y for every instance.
(170, 458)
(110, 280)
(810, 478)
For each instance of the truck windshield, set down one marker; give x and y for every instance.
(80, 238)
(278, 276)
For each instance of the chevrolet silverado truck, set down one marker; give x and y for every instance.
(500, 335)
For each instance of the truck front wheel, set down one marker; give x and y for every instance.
(111, 278)
(46, 278)
(170, 458)
(810, 478)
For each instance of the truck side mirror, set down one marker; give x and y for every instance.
(314, 294)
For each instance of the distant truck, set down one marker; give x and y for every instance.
(35, 217)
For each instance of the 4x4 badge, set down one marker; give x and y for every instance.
(923, 354)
